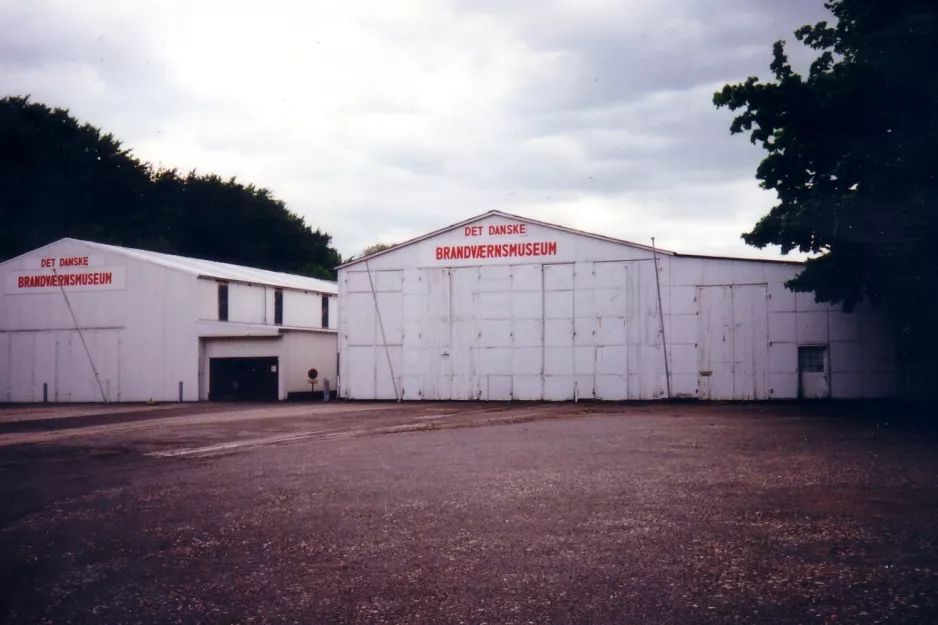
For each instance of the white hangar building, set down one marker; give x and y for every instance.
(501, 307)
(87, 322)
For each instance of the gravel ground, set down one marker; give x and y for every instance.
(472, 514)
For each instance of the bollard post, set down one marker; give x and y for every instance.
(45, 392)
(180, 391)
(325, 390)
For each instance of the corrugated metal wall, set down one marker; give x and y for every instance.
(55, 365)
(585, 321)
(524, 332)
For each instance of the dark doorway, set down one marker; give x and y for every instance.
(243, 379)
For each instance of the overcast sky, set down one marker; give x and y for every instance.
(379, 121)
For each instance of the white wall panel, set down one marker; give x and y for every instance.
(527, 305)
(6, 387)
(415, 308)
(558, 332)
(45, 345)
(525, 278)
(584, 331)
(716, 342)
(878, 356)
(206, 294)
(495, 305)
(495, 360)
(609, 275)
(845, 358)
(76, 380)
(717, 272)
(22, 356)
(843, 326)
(681, 300)
(411, 387)
(360, 381)
(612, 359)
(611, 387)
(804, 302)
(686, 272)
(584, 360)
(750, 341)
(682, 330)
(684, 385)
(357, 281)
(558, 305)
(559, 361)
(527, 333)
(583, 276)
(584, 304)
(783, 385)
(389, 366)
(465, 330)
(246, 303)
(610, 302)
(389, 281)
(391, 309)
(811, 327)
(558, 277)
(846, 385)
(783, 358)
(494, 279)
(300, 309)
(585, 386)
(361, 327)
(682, 359)
(496, 333)
(414, 282)
(782, 327)
(559, 387)
(745, 272)
(527, 361)
(781, 299)
(497, 387)
(527, 387)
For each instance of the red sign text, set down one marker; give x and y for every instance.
(64, 279)
(495, 230)
(504, 250)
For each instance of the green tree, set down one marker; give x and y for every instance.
(377, 247)
(61, 178)
(852, 151)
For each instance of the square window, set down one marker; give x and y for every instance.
(812, 359)
(278, 307)
(223, 301)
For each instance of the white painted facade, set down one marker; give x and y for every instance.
(150, 323)
(580, 318)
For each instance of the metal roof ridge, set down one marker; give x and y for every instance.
(500, 213)
(170, 261)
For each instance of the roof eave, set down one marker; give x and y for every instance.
(508, 216)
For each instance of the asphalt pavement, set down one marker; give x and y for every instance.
(466, 513)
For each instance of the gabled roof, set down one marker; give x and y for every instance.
(212, 269)
(497, 213)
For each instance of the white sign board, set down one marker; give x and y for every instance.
(77, 278)
(509, 241)
(63, 262)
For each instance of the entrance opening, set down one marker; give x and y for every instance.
(243, 379)
(813, 372)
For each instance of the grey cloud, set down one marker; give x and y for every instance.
(615, 108)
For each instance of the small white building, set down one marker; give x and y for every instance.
(87, 322)
(501, 307)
